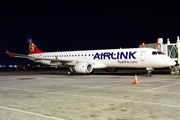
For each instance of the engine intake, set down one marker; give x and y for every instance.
(83, 68)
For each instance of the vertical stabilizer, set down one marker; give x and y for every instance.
(33, 49)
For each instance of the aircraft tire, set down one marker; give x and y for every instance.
(149, 73)
(69, 72)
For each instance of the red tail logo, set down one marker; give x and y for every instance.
(33, 49)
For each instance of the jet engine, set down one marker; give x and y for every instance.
(83, 68)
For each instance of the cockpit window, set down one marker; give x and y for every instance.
(160, 53)
(157, 52)
(154, 53)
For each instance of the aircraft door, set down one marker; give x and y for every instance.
(142, 55)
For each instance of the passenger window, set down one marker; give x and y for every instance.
(154, 53)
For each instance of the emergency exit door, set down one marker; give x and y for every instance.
(142, 55)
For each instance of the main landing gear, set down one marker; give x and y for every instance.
(70, 71)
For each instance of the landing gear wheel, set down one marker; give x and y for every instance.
(70, 72)
(149, 73)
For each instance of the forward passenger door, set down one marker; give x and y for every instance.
(142, 55)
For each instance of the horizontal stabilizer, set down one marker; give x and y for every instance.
(11, 55)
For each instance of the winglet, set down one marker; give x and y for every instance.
(8, 52)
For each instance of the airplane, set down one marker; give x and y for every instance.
(110, 60)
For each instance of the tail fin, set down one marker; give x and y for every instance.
(33, 49)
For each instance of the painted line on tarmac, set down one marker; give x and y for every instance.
(99, 87)
(95, 97)
(31, 113)
(162, 87)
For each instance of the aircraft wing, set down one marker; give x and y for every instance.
(53, 60)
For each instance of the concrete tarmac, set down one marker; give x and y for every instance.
(53, 95)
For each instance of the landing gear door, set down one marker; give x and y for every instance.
(142, 55)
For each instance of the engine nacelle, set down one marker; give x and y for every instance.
(83, 68)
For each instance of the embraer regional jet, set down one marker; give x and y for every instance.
(108, 59)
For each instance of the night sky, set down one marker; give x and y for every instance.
(84, 25)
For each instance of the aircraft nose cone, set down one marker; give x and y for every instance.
(172, 62)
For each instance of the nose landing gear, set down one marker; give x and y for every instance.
(149, 71)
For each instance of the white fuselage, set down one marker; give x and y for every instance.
(132, 58)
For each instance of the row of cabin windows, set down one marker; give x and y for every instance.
(77, 55)
(66, 55)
